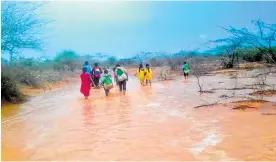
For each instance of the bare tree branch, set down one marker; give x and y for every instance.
(263, 40)
(21, 27)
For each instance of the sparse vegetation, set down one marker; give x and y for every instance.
(247, 104)
(200, 71)
(269, 92)
(21, 29)
(164, 73)
(250, 46)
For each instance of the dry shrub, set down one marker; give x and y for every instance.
(269, 92)
(250, 65)
(243, 107)
(248, 104)
(32, 78)
(200, 71)
(261, 83)
(36, 78)
(11, 76)
(164, 73)
(25, 75)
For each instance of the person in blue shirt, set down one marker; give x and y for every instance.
(88, 69)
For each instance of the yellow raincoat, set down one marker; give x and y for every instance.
(141, 75)
(149, 74)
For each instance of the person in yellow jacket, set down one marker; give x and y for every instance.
(141, 74)
(148, 74)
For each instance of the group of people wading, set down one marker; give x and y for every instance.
(95, 77)
(144, 74)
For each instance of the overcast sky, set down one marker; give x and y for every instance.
(125, 28)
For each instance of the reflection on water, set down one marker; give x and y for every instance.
(148, 123)
(10, 110)
(87, 113)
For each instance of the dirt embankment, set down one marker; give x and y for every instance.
(48, 86)
(31, 91)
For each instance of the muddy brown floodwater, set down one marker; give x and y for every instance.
(148, 123)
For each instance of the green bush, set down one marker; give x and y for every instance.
(9, 90)
(251, 55)
(66, 58)
(256, 55)
(253, 58)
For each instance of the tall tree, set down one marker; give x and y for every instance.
(264, 39)
(21, 27)
(142, 56)
(230, 47)
(67, 58)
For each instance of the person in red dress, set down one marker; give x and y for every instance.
(85, 83)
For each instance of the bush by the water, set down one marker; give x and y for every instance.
(31, 72)
(10, 91)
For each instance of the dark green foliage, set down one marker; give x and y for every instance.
(9, 90)
(251, 55)
(66, 59)
(256, 55)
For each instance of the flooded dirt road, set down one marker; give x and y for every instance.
(148, 123)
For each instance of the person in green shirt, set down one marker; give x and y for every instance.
(106, 82)
(186, 69)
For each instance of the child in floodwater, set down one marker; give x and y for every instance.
(148, 74)
(85, 83)
(106, 82)
(141, 74)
